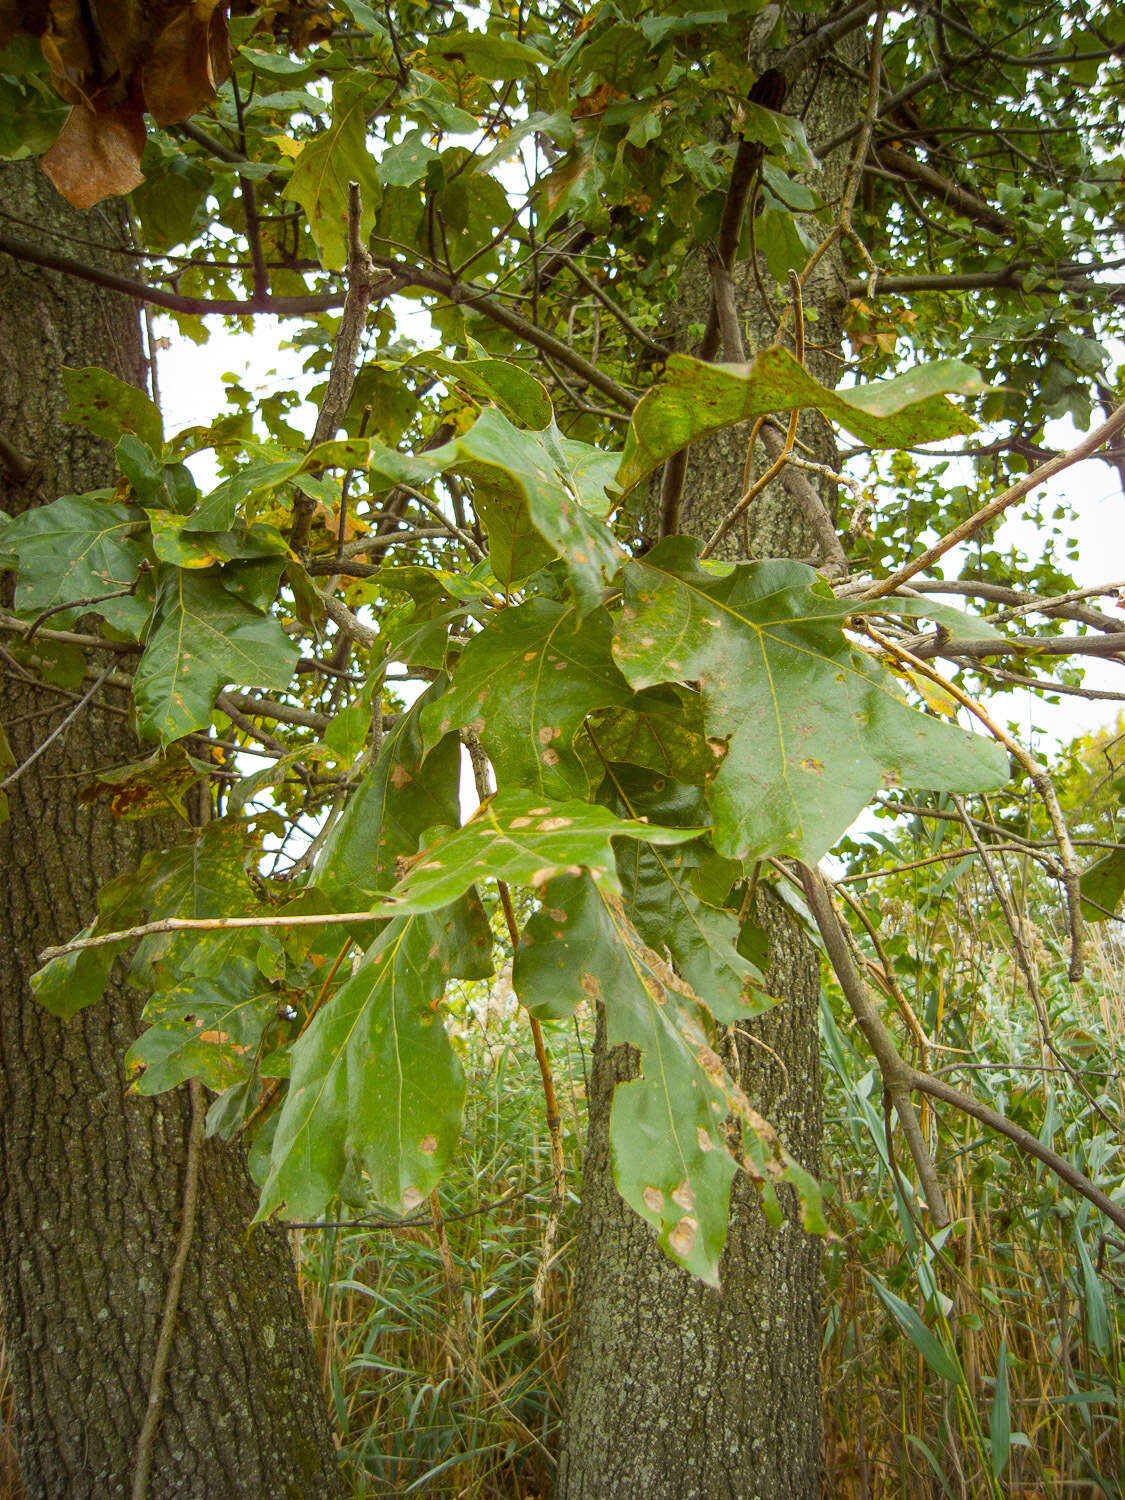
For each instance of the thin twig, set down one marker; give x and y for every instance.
(1071, 875)
(341, 376)
(57, 731)
(1085, 449)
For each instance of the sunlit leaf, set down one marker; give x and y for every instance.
(328, 163)
(516, 836)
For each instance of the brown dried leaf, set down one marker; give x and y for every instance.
(188, 60)
(96, 155)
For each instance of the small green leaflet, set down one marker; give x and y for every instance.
(1102, 886)
(517, 837)
(202, 638)
(695, 398)
(525, 685)
(328, 164)
(814, 727)
(374, 1081)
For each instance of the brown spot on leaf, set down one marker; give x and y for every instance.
(684, 1197)
(682, 1238)
(428, 1145)
(654, 1198)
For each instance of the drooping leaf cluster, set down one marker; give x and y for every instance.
(659, 726)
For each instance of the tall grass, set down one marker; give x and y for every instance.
(985, 1360)
(437, 1380)
(988, 1360)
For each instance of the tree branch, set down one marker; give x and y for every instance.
(1085, 449)
(910, 1078)
(282, 307)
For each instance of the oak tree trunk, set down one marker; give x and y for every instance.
(91, 1176)
(676, 1391)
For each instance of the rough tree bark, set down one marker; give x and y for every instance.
(676, 1391)
(91, 1177)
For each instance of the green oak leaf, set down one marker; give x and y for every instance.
(487, 55)
(203, 877)
(660, 896)
(203, 637)
(512, 388)
(405, 793)
(518, 837)
(145, 789)
(67, 984)
(671, 1158)
(107, 406)
(206, 1028)
(525, 685)
(407, 161)
(328, 163)
(695, 398)
(543, 495)
(374, 1082)
(662, 905)
(78, 547)
(661, 728)
(1103, 882)
(814, 727)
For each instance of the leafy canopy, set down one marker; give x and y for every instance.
(475, 561)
